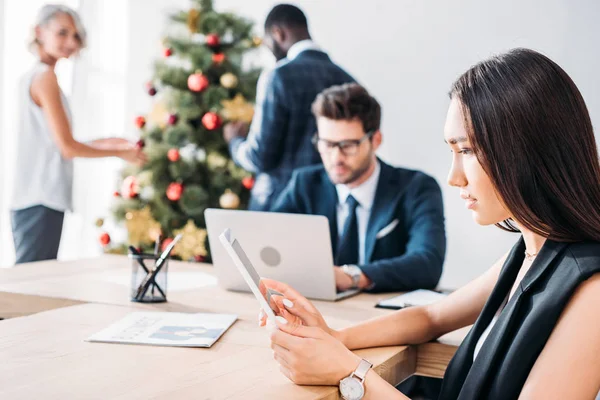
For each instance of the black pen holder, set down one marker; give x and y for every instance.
(142, 266)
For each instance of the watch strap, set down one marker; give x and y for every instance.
(353, 272)
(361, 371)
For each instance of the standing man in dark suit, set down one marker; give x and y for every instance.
(279, 140)
(386, 223)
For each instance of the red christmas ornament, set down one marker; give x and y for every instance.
(140, 122)
(211, 121)
(168, 52)
(116, 194)
(165, 243)
(173, 155)
(172, 120)
(197, 82)
(248, 182)
(199, 258)
(213, 40)
(152, 91)
(140, 144)
(104, 239)
(174, 191)
(130, 187)
(218, 58)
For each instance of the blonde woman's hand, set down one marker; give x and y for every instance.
(307, 355)
(292, 306)
(133, 155)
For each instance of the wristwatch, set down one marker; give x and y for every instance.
(353, 272)
(352, 387)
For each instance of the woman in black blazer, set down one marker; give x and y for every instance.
(524, 158)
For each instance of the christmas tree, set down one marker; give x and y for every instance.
(198, 85)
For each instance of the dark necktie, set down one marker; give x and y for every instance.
(347, 248)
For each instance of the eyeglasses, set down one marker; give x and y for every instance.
(347, 147)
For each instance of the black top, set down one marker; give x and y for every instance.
(524, 326)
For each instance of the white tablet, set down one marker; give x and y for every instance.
(235, 251)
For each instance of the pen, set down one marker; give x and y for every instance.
(156, 246)
(157, 267)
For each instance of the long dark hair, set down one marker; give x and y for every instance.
(531, 131)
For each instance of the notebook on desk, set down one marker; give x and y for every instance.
(166, 329)
(419, 297)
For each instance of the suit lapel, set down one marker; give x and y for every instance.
(327, 206)
(386, 197)
(544, 260)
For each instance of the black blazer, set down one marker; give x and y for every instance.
(405, 243)
(523, 327)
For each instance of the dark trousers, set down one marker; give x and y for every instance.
(36, 233)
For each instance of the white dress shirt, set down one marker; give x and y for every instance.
(301, 46)
(365, 196)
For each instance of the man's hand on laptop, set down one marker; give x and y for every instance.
(296, 309)
(343, 281)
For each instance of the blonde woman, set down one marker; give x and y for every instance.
(45, 143)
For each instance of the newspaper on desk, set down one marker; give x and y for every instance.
(167, 329)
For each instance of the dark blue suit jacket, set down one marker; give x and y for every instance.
(408, 257)
(279, 140)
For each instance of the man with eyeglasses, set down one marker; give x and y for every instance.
(386, 223)
(278, 141)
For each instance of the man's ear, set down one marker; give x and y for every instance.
(278, 34)
(377, 139)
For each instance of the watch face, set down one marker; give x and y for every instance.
(351, 389)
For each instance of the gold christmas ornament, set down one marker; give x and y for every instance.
(99, 222)
(159, 114)
(229, 200)
(192, 241)
(192, 20)
(216, 160)
(237, 109)
(256, 41)
(229, 80)
(140, 224)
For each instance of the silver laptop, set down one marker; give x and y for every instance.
(291, 248)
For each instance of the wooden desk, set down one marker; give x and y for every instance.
(105, 280)
(238, 366)
(45, 356)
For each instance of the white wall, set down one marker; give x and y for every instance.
(408, 53)
(98, 103)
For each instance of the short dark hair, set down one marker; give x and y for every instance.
(286, 15)
(348, 102)
(532, 134)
